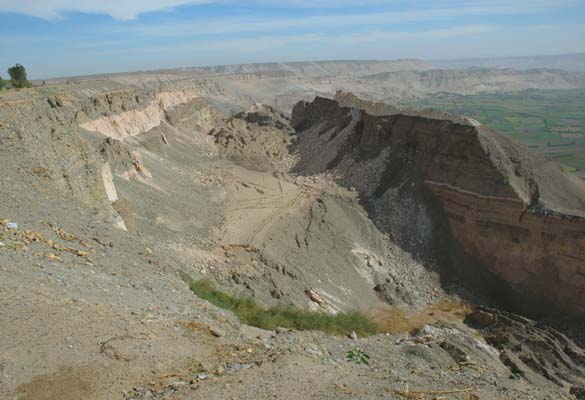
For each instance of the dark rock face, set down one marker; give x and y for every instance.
(256, 139)
(531, 351)
(264, 115)
(461, 195)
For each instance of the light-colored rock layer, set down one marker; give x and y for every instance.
(135, 122)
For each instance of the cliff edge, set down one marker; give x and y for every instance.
(458, 194)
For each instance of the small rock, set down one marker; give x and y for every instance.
(313, 350)
(178, 384)
(216, 332)
(55, 102)
(482, 318)
(238, 367)
(353, 336)
(578, 392)
(455, 352)
(12, 225)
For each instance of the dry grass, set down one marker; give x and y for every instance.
(397, 320)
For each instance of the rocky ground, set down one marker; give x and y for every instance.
(112, 218)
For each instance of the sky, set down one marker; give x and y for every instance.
(53, 38)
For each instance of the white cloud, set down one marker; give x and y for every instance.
(246, 25)
(350, 40)
(440, 12)
(130, 9)
(120, 9)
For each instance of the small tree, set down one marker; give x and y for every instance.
(18, 76)
(2, 83)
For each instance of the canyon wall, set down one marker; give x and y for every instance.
(62, 139)
(135, 121)
(458, 195)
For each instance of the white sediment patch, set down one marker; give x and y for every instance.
(112, 193)
(120, 224)
(322, 301)
(368, 263)
(473, 122)
(135, 122)
(108, 179)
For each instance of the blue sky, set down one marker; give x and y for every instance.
(73, 37)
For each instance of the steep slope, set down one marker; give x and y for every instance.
(348, 99)
(235, 195)
(458, 195)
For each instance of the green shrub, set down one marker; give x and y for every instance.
(358, 356)
(251, 313)
(18, 76)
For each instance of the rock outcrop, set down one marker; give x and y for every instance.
(533, 352)
(135, 121)
(257, 139)
(60, 138)
(376, 108)
(459, 195)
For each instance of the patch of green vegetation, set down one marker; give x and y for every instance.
(577, 162)
(49, 91)
(18, 76)
(550, 121)
(568, 170)
(358, 356)
(251, 313)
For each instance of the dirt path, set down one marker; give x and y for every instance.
(256, 201)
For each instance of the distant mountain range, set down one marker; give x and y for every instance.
(567, 62)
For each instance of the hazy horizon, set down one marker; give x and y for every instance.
(203, 66)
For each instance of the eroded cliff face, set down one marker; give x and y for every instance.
(132, 122)
(376, 108)
(71, 141)
(458, 195)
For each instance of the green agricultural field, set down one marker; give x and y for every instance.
(550, 121)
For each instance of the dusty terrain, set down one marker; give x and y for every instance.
(124, 188)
